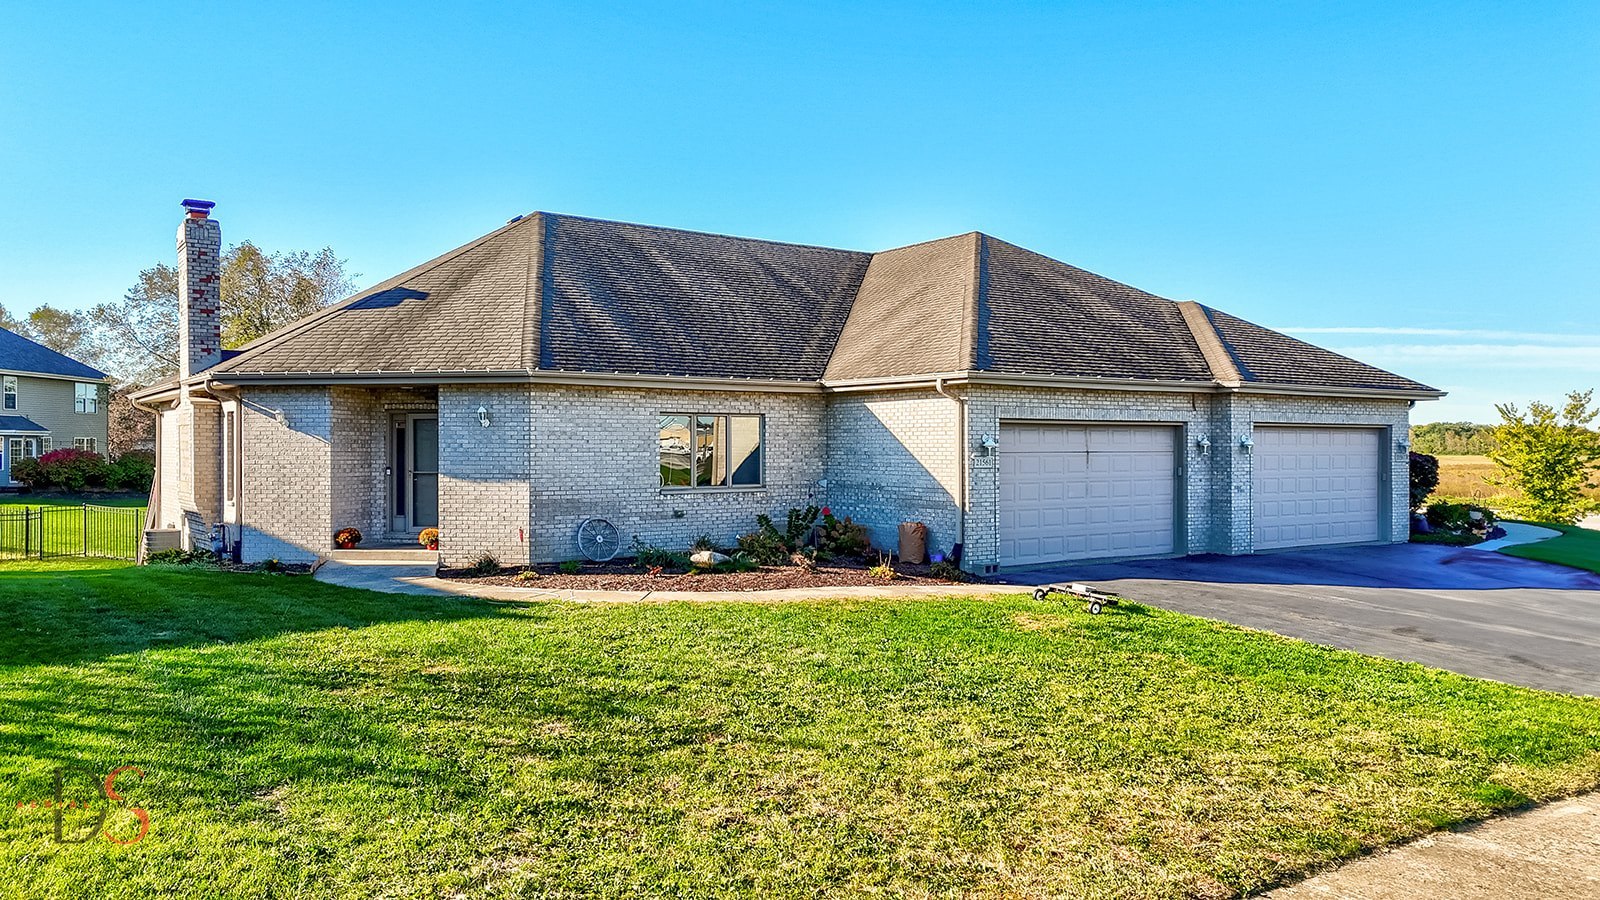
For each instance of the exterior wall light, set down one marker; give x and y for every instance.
(483, 417)
(987, 444)
(1403, 444)
(1203, 445)
(1247, 444)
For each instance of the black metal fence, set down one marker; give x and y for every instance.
(42, 532)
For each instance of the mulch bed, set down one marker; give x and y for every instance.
(623, 575)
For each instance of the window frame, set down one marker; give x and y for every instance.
(93, 444)
(85, 402)
(10, 393)
(726, 451)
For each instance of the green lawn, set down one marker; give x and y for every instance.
(1577, 547)
(108, 535)
(308, 741)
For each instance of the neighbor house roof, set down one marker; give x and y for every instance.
(18, 354)
(21, 425)
(565, 294)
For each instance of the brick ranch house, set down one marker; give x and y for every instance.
(678, 383)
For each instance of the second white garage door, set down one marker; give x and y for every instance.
(1316, 486)
(1085, 491)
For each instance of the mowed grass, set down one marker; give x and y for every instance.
(1577, 547)
(301, 740)
(109, 534)
(1467, 478)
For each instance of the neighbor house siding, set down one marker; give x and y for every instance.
(895, 457)
(49, 402)
(596, 453)
(286, 503)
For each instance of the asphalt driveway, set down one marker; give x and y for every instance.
(1471, 611)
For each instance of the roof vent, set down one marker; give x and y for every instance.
(199, 209)
(515, 219)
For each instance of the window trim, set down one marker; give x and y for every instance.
(85, 402)
(694, 417)
(93, 442)
(10, 393)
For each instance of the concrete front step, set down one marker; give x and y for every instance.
(378, 556)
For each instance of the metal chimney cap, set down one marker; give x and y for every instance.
(200, 206)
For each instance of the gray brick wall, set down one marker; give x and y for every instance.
(287, 494)
(893, 457)
(597, 455)
(486, 477)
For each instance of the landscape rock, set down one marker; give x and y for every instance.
(707, 558)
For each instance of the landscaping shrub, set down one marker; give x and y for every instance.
(704, 542)
(68, 469)
(570, 567)
(948, 571)
(485, 564)
(180, 557)
(1424, 478)
(842, 537)
(527, 575)
(765, 547)
(884, 570)
(1457, 517)
(132, 471)
(738, 562)
(652, 557)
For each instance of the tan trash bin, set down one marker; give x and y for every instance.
(913, 543)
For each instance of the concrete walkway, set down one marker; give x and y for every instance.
(1517, 533)
(1545, 853)
(421, 580)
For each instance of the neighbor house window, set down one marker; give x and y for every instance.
(708, 451)
(11, 392)
(86, 397)
(44, 446)
(24, 448)
(90, 444)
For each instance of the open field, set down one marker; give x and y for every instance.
(1467, 477)
(301, 739)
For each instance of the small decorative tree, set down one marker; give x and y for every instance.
(1424, 478)
(1545, 458)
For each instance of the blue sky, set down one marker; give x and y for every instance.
(1417, 185)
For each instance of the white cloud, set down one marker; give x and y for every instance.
(1584, 358)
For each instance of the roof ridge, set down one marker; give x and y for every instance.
(271, 339)
(715, 234)
(1224, 365)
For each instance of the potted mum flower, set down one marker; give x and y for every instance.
(429, 538)
(347, 538)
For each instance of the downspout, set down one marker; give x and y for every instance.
(961, 460)
(152, 512)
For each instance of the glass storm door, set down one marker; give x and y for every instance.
(423, 469)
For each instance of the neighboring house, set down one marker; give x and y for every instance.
(47, 402)
(679, 383)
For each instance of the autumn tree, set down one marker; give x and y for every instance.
(1546, 456)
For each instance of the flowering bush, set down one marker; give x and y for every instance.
(74, 470)
(347, 537)
(429, 539)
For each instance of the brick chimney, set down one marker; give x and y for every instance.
(199, 289)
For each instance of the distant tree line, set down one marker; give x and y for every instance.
(1453, 439)
(135, 339)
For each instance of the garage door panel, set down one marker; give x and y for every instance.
(1316, 486)
(1084, 491)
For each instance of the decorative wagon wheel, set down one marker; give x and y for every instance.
(598, 540)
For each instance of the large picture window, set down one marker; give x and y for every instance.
(709, 451)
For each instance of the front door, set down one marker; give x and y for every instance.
(414, 472)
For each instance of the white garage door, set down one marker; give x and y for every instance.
(1316, 486)
(1085, 491)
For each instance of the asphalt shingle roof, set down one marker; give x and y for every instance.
(565, 293)
(21, 424)
(18, 354)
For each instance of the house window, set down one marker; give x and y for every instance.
(86, 443)
(24, 448)
(86, 397)
(10, 392)
(44, 446)
(709, 451)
